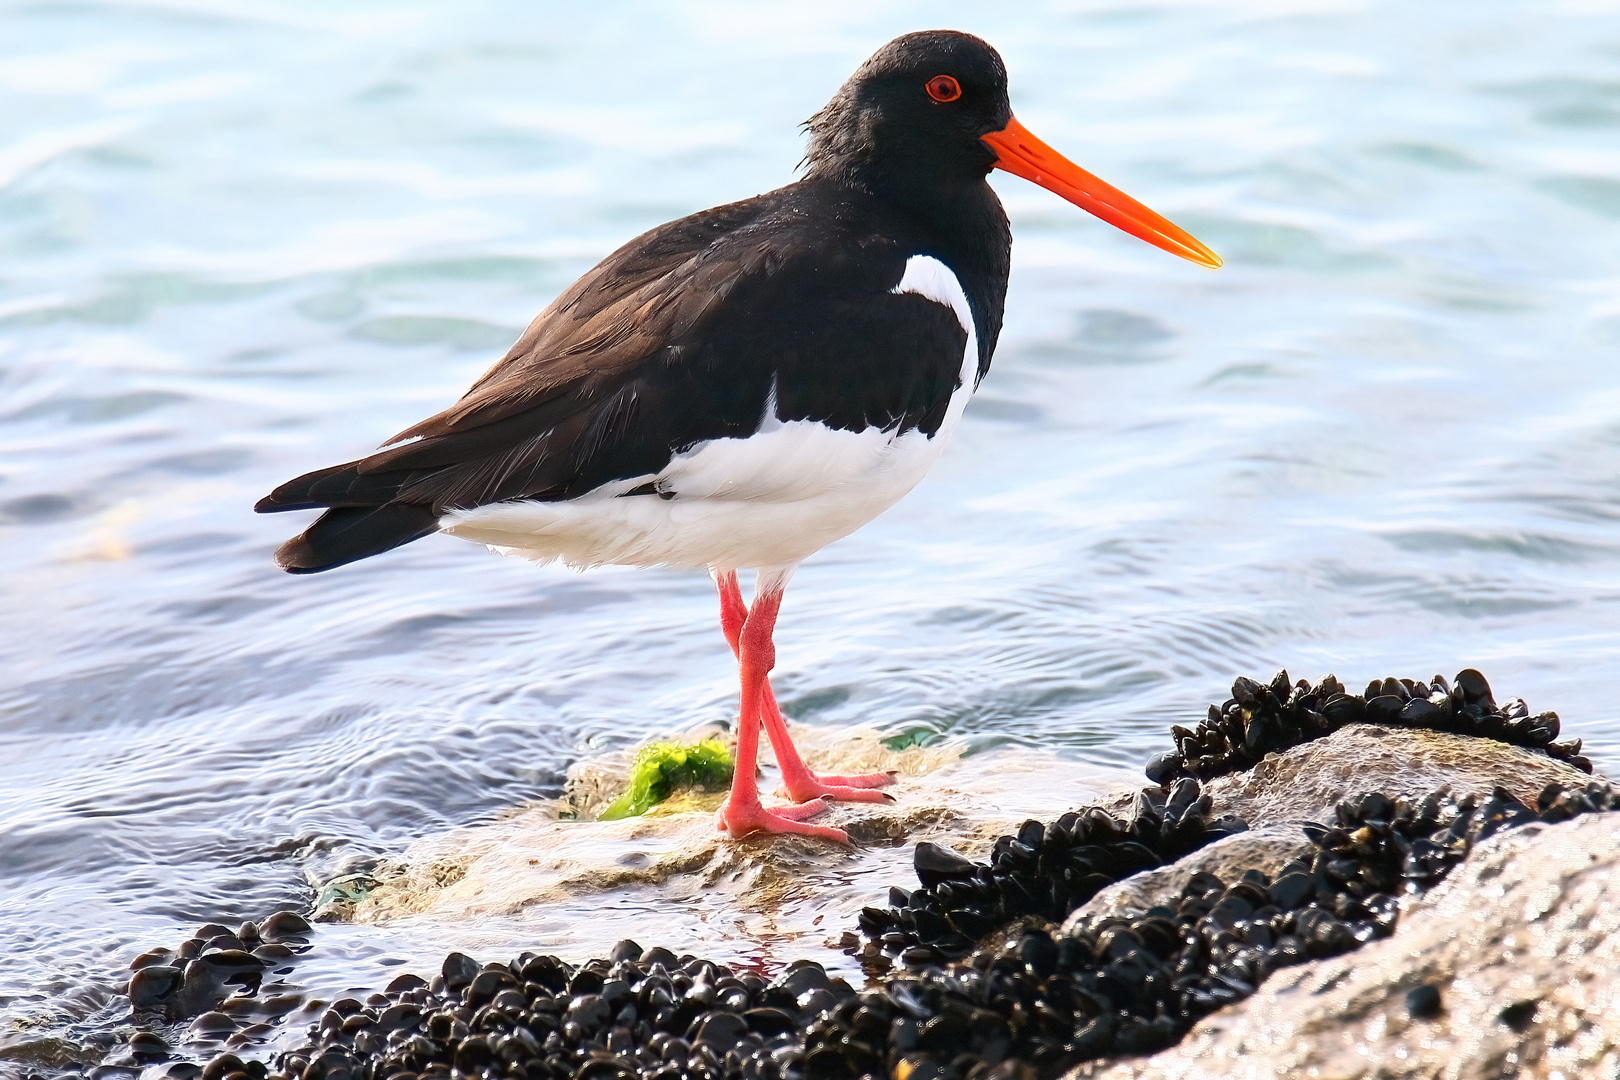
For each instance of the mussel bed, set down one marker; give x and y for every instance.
(1259, 719)
(971, 978)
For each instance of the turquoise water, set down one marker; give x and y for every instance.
(241, 241)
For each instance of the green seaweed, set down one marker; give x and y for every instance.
(661, 769)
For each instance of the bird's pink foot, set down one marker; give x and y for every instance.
(739, 817)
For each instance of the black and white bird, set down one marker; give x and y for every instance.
(740, 388)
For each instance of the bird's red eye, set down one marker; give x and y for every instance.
(944, 88)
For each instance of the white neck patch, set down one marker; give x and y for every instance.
(928, 277)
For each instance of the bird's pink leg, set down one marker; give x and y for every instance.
(798, 782)
(742, 812)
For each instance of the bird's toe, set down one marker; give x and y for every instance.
(742, 818)
(863, 780)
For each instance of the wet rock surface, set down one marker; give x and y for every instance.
(1131, 985)
(532, 858)
(1047, 872)
(1266, 850)
(1107, 931)
(1307, 781)
(1523, 986)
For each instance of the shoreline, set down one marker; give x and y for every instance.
(1309, 914)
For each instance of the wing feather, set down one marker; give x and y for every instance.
(678, 337)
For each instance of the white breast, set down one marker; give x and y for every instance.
(770, 499)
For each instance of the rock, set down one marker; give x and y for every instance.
(1522, 941)
(1266, 849)
(531, 860)
(1304, 783)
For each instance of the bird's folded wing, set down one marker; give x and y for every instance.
(684, 335)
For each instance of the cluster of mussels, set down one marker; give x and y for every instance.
(988, 990)
(641, 1013)
(1134, 985)
(212, 966)
(1044, 872)
(1258, 720)
(1026, 1003)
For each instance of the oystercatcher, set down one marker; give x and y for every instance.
(742, 387)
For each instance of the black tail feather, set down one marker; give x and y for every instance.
(339, 485)
(345, 534)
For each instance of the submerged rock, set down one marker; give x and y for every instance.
(532, 861)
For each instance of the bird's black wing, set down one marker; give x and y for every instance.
(680, 336)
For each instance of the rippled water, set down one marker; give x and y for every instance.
(241, 241)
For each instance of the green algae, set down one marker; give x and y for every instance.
(661, 769)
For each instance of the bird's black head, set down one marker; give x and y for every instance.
(922, 123)
(913, 114)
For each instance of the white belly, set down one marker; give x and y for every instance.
(771, 499)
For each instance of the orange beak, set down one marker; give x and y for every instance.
(1022, 154)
